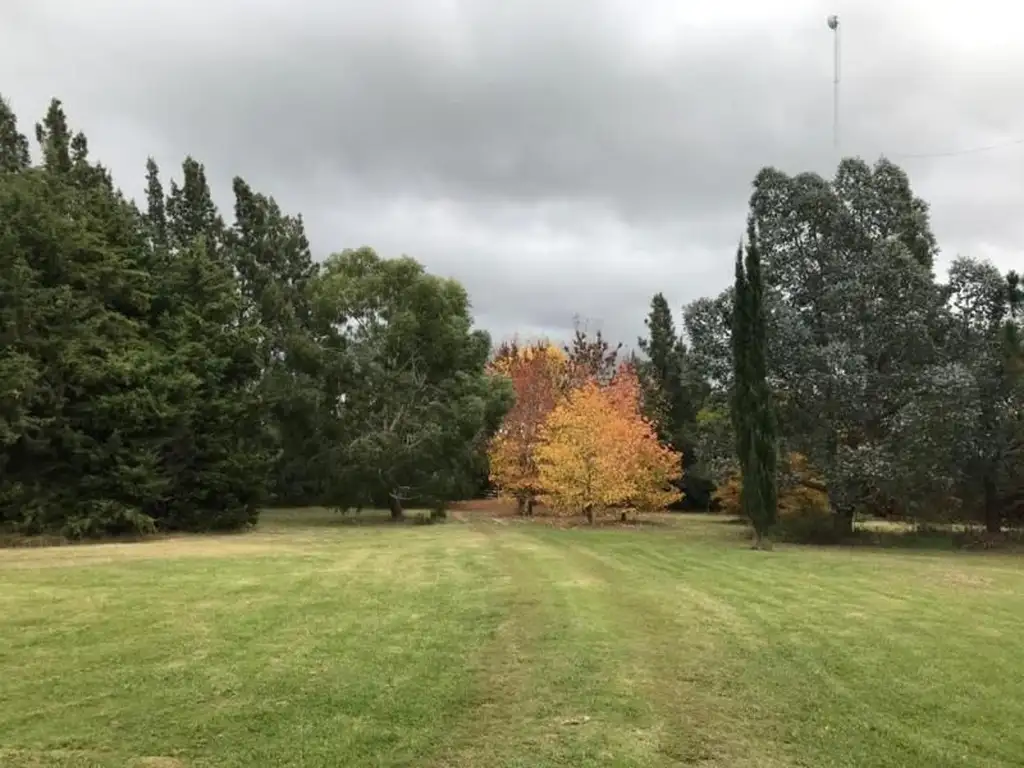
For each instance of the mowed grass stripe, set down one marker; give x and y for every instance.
(591, 673)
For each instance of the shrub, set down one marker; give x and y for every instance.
(805, 519)
(804, 514)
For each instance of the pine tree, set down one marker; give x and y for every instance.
(591, 356)
(156, 210)
(216, 456)
(54, 139)
(662, 371)
(191, 212)
(672, 396)
(14, 154)
(271, 255)
(741, 405)
(81, 442)
(752, 409)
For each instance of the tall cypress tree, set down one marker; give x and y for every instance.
(764, 429)
(752, 409)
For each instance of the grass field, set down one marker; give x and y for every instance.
(500, 643)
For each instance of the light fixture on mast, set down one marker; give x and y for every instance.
(833, 24)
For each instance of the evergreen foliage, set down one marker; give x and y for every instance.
(903, 394)
(161, 369)
(673, 389)
(753, 415)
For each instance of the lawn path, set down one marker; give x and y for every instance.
(594, 667)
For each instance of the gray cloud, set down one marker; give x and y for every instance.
(558, 158)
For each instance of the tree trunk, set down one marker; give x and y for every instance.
(529, 506)
(395, 504)
(589, 511)
(993, 519)
(520, 506)
(844, 521)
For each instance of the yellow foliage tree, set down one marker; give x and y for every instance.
(652, 469)
(597, 451)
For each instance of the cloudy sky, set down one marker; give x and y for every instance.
(559, 157)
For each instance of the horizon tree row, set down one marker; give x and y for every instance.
(162, 369)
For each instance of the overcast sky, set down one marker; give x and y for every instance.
(558, 157)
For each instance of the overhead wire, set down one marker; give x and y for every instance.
(833, 22)
(954, 152)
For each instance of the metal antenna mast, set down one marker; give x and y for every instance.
(833, 24)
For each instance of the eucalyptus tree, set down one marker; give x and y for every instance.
(985, 306)
(856, 325)
(409, 400)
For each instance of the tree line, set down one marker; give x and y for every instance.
(162, 367)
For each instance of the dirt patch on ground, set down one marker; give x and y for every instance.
(965, 580)
(42, 758)
(489, 507)
(504, 511)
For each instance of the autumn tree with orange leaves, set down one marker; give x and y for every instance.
(598, 451)
(538, 375)
(653, 468)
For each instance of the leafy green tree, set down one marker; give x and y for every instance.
(875, 379)
(984, 337)
(856, 318)
(411, 398)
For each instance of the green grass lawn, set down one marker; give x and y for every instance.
(482, 643)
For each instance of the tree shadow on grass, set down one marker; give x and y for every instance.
(939, 540)
(325, 517)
